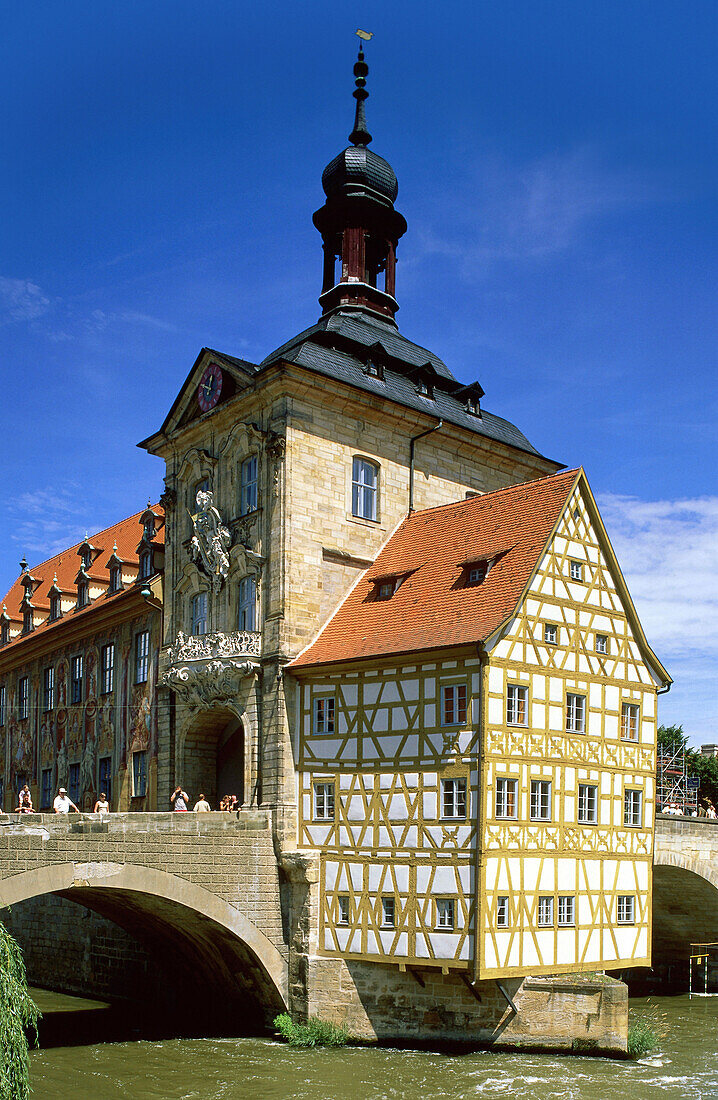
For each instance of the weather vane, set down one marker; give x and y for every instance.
(366, 35)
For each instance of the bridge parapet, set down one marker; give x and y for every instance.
(127, 824)
(685, 839)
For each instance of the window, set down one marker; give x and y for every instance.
(76, 679)
(105, 776)
(472, 406)
(26, 621)
(576, 571)
(453, 798)
(145, 564)
(545, 912)
(629, 721)
(247, 607)
(83, 594)
(5, 633)
(139, 774)
(424, 389)
(46, 789)
(445, 913)
(540, 800)
(115, 578)
(476, 574)
(566, 911)
(517, 699)
(86, 557)
(365, 485)
(388, 912)
(502, 911)
(575, 713)
(386, 590)
(248, 485)
(2, 708)
(587, 803)
(74, 783)
(48, 689)
(199, 613)
(23, 697)
(507, 797)
(453, 705)
(107, 669)
(601, 643)
(324, 714)
(142, 656)
(632, 807)
(55, 608)
(343, 909)
(626, 909)
(324, 801)
(373, 369)
(550, 633)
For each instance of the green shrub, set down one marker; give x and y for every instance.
(642, 1038)
(18, 1016)
(315, 1033)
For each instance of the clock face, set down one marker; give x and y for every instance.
(210, 387)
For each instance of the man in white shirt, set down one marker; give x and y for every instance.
(201, 807)
(63, 804)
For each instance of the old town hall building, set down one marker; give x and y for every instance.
(366, 603)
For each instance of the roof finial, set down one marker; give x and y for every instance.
(23, 564)
(360, 135)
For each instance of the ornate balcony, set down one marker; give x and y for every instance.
(207, 668)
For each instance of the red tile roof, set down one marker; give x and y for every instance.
(434, 607)
(126, 535)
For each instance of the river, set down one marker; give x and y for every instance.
(685, 1066)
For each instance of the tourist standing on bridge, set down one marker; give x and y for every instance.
(63, 803)
(102, 806)
(24, 801)
(202, 806)
(180, 800)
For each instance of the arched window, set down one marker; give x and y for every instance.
(365, 489)
(83, 594)
(145, 564)
(248, 486)
(55, 608)
(115, 578)
(199, 613)
(247, 617)
(27, 621)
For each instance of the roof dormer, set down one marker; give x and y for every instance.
(470, 397)
(87, 553)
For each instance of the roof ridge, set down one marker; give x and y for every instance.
(495, 492)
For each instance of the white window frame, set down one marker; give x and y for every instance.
(453, 798)
(365, 489)
(587, 804)
(324, 800)
(506, 792)
(48, 688)
(602, 644)
(454, 704)
(142, 656)
(626, 909)
(633, 808)
(248, 485)
(323, 714)
(544, 911)
(517, 701)
(575, 712)
(540, 802)
(247, 603)
(199, 610)
(502, 911)
(445, 914)
(343, 909)
(566, 911)
(107, 668)
(77, 674)
(23, 697)
(550, 634)
(630, 718)
(576, 570)
(388, 911)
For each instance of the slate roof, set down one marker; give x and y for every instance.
(126, 534)
(339, 345)
(433, 607)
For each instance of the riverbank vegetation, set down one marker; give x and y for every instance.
(642, 1038)
(315, 1033)
(18, 1020)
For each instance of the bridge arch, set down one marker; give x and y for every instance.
(685, 908)
(185, 925)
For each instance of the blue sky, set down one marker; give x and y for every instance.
(557, 166)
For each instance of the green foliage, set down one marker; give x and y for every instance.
(705, 767)
(315, 1033)
(642, 1038)
(18, 1016)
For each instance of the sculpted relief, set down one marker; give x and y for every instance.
(210, 540)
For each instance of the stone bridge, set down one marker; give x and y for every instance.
(685, 889)
(200, 891)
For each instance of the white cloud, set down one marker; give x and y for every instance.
(52, 521)
(21, 300)
(668, 551)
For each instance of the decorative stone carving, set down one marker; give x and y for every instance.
(208, 668)
(168, 498)
(211, 540)
(276, 447)
(87, 769)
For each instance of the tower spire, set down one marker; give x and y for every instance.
(360, 135)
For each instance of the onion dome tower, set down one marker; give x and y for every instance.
(358, 222)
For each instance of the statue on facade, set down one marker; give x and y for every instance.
(211, 539)
(62, 766)
(87, 768)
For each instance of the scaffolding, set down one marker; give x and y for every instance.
(703, 956)
(674, 785)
